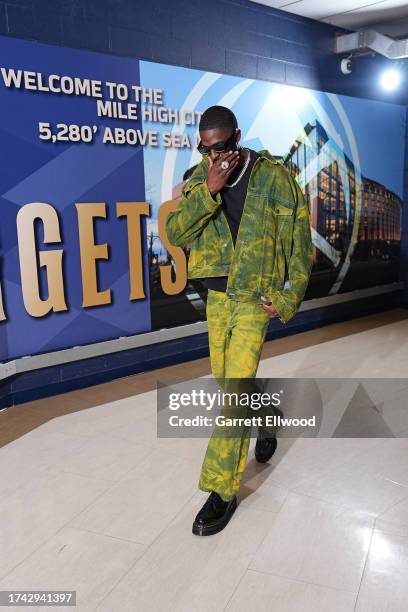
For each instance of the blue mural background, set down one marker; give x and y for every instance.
(62, 174)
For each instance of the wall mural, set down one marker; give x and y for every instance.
(346, 153)
(94, 150)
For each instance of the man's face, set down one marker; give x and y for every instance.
(210, 138)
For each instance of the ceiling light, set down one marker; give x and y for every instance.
(390, 79)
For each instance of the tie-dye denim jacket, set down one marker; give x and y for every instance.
(273, 251)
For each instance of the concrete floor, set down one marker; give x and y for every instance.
(91, 500)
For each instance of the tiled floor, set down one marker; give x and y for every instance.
(93, 501)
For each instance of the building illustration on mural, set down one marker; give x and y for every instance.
(355, 222)
(335, 192)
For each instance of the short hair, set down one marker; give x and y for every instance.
(217, 117)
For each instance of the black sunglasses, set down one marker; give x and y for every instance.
(218, 147)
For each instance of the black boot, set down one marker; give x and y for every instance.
(265, 445)
(214, 515)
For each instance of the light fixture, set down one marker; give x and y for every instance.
(390, 79)
(293, 98)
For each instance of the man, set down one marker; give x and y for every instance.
(248, 226)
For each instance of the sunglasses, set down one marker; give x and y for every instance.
(218, 147)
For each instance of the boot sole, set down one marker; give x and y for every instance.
(213, 528)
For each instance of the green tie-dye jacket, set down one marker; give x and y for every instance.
(273, 251)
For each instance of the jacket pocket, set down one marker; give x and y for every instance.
(211, 248)
(283, 212)
(281, 207)
(281, 220)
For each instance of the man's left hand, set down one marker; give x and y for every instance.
(268, 306)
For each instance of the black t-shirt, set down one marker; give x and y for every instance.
(233, 199)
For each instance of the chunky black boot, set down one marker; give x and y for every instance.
(214, 515)
(265, 445)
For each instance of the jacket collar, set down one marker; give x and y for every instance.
(266, 155)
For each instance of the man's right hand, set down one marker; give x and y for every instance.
(216, 175)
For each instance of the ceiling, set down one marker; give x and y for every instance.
(386, 16)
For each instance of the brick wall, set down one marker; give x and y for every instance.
(232, 36)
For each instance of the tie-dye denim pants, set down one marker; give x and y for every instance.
(236, 333)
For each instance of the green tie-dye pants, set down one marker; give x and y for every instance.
(236, 333)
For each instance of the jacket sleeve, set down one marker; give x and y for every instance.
(287, 301)
(196, 207)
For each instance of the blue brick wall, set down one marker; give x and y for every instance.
(233, 36)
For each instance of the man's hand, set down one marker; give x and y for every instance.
(268, 306)
(218, 176)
